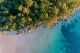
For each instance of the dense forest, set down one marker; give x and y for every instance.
(18, 14)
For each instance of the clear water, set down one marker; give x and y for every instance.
(67, 36)
(62, 38)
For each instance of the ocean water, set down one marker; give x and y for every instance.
(68, 36)
(62, 38)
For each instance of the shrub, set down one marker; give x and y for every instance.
(18, 14)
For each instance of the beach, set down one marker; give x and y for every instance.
(61, 38)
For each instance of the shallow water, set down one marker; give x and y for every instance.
(62, 38)
(59, 39)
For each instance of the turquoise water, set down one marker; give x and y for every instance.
(68, 36)
(62, 38)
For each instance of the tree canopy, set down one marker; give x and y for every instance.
(18, 14)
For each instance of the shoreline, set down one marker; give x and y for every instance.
(49, 22)
(29, 30)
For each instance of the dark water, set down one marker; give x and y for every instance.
(70, 32)
(62, 38)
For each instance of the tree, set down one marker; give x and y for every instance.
(64, 6)
(17, 14)
(55, 11)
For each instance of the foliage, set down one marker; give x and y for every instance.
(17, 14)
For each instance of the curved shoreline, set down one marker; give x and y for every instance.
(33, 29)
(50, 22)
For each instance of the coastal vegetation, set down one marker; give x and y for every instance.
(15, 15)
